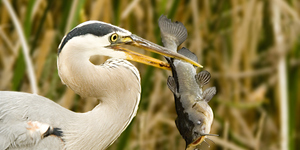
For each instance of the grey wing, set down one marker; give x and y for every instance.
(48, 143)
(27, 119)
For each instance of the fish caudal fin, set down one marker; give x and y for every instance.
(172, 33)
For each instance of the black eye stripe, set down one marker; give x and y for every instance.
(97, 29)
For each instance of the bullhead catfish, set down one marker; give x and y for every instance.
(194, 115)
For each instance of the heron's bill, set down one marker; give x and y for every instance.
(137, 57)
(139, 42)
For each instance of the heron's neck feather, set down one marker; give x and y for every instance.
(117, 88)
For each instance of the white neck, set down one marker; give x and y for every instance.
(99, 128)
(117, 88)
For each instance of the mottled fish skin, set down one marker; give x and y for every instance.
(195, 116)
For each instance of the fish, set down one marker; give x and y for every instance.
(194, 115)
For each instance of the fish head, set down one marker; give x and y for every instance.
(195, 124)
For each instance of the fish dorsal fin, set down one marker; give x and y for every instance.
(203, 78)
(209, 93)
(172, 33)
(187, 53)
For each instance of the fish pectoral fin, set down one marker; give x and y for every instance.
(209, 93)
(203, 78)
(172, 33)
(172, 86)
(187, 53)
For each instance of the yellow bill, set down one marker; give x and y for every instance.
(139, 42)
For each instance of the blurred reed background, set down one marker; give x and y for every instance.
(251, 48)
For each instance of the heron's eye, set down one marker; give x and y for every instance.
(114, 37)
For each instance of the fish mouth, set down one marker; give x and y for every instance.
(197, 142)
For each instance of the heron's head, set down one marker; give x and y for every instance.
(99, 38)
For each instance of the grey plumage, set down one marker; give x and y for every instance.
(17, 109)
(25, 118)
(88, 130)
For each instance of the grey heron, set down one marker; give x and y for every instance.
(30, 121)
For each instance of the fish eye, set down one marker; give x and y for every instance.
(114, 37)
(199, 122)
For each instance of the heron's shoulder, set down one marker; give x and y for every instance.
(25, 120)
(21, 104)
(14, 97)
